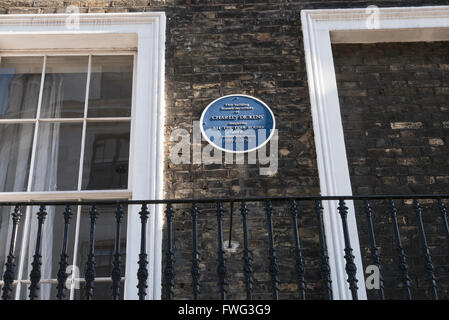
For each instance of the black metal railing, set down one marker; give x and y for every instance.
(295, 205)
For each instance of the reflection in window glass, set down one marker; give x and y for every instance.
(15, 154)
(20, 80)
(106, 156)
(64, 87)
(57, 157)
(110, 87)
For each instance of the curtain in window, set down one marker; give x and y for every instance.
(45, 178)
(16, 139)
(17, 94)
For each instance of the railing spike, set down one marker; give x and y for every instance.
(403, 266)
(63, 263)
(247, 254)
(443, 211)
(430, 269)
(274, 269)
(142, 272)
(89, 275)
(351, 269)
(116, 273)
(299, 266)
(195, 254)
(35, 274)
(170, 257)
(375, 257)
(325, 268)
(221, 268)
(8, 276)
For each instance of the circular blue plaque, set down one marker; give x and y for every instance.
(237, 123)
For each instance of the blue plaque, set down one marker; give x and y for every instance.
(237, 123)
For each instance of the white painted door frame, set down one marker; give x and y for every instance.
(366, 25)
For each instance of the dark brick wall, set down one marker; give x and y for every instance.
(395, 116)
(219, 47)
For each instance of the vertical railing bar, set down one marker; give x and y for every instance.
(195, 254)
(74, 275)
(299, 266)
(35, 274)
(273, 268)
(221, 268)
(351, 269)
(443, 211)
(170, 257)
(89, 275)
(375, 257)
(116, 273)
(231, 204)
(63, 262)
(26, 229)
(247, 254)
(8, 276)
(142, 272)
(427, 256)
(325, 268)
(403, 267)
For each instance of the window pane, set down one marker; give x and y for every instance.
(57, 157)
(110, 86)
(15, 153)
(20, 81)
(106, 156)
(64, 87)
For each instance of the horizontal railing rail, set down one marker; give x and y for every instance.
(226, 200)
(9, 277)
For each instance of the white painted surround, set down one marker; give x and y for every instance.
(320, 29)
(143, 33)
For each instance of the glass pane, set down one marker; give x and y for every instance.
(57, 157)
(15, 153)
(20, 81)
(104, 249)
(106, 156)
(51, 245)
(64, 87)
(110, 88)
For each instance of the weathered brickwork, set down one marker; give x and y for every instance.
(394, 108)
(254, 47)
(225, 48)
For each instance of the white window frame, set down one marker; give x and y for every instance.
(98, 34)
(320, 29)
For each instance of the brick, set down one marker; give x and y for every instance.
(436, 142)
(406, 125)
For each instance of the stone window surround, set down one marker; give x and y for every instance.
(144, 33)
(321, 28)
